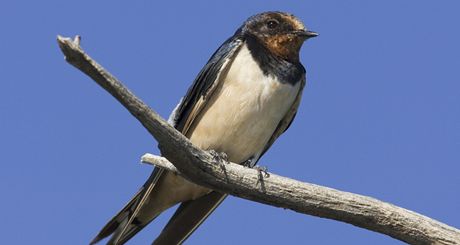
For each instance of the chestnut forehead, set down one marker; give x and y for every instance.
(286, 18)
(296, 23)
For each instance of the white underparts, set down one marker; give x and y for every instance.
(244, 111)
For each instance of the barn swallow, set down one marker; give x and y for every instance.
(243, 99)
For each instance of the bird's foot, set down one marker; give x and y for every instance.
(263, 171)
(219, 157)
(248, 163)
(251, 163)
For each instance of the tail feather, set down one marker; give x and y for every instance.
(124, 225)
(116, 220)
(127, 231)
(188, 217)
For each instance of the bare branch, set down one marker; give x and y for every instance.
(199, 166)
(160, 162)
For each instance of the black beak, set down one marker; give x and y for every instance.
(311, 34)
(306, 34)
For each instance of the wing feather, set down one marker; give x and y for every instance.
(189, 216)
(205, 83)
(122, 225)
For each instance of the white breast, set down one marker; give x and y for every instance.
(244, 111)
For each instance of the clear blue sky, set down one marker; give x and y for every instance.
(380, 115)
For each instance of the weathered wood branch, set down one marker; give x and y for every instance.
(201, 167)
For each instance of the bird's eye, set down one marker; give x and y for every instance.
(271, 24)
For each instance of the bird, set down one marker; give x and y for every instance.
(241, 101)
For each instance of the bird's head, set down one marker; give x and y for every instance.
(281, 33)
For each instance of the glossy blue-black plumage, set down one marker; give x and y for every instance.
(205, 79)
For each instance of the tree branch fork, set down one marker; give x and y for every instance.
(200, 167)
